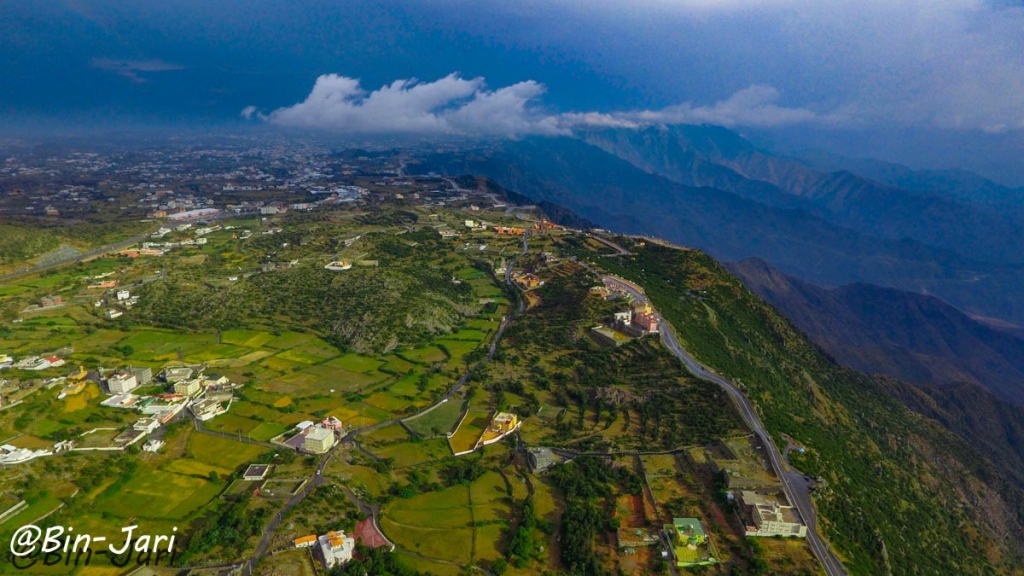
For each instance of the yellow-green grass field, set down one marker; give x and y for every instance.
(222, 452)
(406, 386)
(357, 363)
(385, 435)
(288, 563)
(156, 494)
(362, 478)
(442, 419)
(414, 453)
(489, 542)
(232, 423)
(393, 363)
(428, 567)
(247, 338)
(288, 340)
(471, 429)
(417, 523)
(189, 467)
(392, 402)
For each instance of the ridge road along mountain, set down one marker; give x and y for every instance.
(798, 495)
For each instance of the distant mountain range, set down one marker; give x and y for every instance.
(956, 185)
(913, 337)
(709, 188)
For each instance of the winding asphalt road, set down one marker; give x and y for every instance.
(796, 491)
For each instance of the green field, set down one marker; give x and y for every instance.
(471, 429)
(189, 467)
(386, 435)
(428, 567)
(357, 363)
(247, 338)
(425, 355)
(414, 453)
(442, 419)
(288, 340)
(436, 524)
(222, 452)
(156, 494)
(396, 364)
(232, 423)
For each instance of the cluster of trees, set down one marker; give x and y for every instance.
(417, 483)
(463, 471)
(585, 481)
(522, 545)
(97, 471)
(229, 528)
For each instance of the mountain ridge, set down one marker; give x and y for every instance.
(913, 337)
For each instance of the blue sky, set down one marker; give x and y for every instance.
(850, 74)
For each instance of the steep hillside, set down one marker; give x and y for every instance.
(986, 422)
(900, 494)
(912, 337)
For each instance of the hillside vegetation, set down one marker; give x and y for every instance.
(366, 309)
(900, 495)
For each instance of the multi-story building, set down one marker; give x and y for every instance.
(318, 440)
(188, 388)
(143, 374)
(770, 517)
(122, 383)
(336, 548)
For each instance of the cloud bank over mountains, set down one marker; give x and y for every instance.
(466, 107)
(450, 105)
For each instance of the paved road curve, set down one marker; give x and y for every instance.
(797, 492)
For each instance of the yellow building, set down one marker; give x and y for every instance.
(504, 422)
(78, 376)
(74, 387)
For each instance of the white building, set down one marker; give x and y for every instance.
(188, 388)
(152, 445)
(770, 517)
(121, 383)
(123, 295)
(147, 425)
(336, 548)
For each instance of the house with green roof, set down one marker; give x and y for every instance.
(689, 542)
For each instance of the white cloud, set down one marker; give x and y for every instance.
(450, 105)
(755, 106)
(454, 105)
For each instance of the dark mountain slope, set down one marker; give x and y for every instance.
(717, 157)
(912, 337)
(617, 195)
(986, 422)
